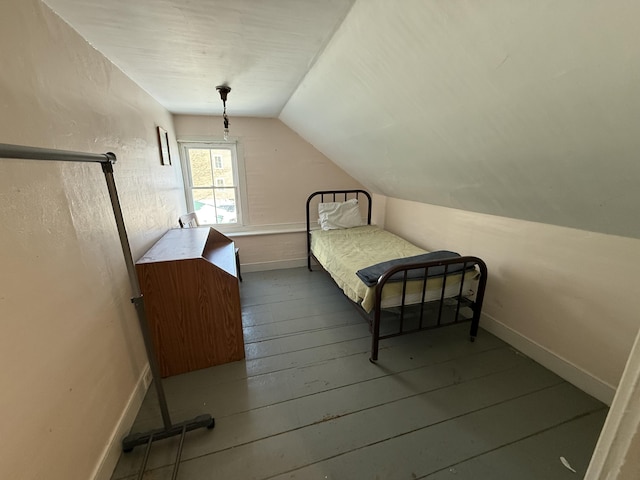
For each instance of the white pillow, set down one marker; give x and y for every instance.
(334, 215)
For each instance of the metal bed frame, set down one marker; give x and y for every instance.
(169, 429)
(410, 317)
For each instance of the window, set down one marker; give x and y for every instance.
(210, 172)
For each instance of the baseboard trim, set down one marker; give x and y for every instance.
(111, 454)
(558, 365)
(276, 265)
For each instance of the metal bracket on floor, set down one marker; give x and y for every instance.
(135, 439)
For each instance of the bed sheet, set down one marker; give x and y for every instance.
(343, 252)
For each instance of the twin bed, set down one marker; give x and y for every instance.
(399, 287)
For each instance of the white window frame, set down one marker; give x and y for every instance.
(238, 172)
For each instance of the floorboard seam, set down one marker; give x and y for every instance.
(306, 348)
(313, 315)
(547, 429)
(301, 332)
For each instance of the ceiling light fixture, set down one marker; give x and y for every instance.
(224, 91)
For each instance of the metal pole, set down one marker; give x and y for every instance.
(107, 168)
(107, 160)
(35, 153)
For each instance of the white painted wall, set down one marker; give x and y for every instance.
(520, 109)
(561, 295)
(282, 170)
(70, 347)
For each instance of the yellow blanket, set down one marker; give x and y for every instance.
(343, 252)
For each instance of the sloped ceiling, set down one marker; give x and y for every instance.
(523, 109)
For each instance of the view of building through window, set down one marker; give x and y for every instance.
(212, 184)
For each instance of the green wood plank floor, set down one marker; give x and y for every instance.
(306, 403)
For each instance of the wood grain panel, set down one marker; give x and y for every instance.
(193, 305)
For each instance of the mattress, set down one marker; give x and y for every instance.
(343, 252)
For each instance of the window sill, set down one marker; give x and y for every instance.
(254, 230)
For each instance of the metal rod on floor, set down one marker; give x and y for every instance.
(107, 160)
(147, 450)
(176, 465)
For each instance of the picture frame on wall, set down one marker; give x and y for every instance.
(163, 140)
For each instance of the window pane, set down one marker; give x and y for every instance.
(214, 206)
(204, 205)
(200, 163)
(226, 205)
(223, 167)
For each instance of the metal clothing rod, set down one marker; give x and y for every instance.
(107, 160)
(35, 153)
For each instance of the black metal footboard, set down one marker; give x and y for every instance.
(407, 317)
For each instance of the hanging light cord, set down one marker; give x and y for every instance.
(224, 90)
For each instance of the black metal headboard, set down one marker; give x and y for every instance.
(333, 196)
